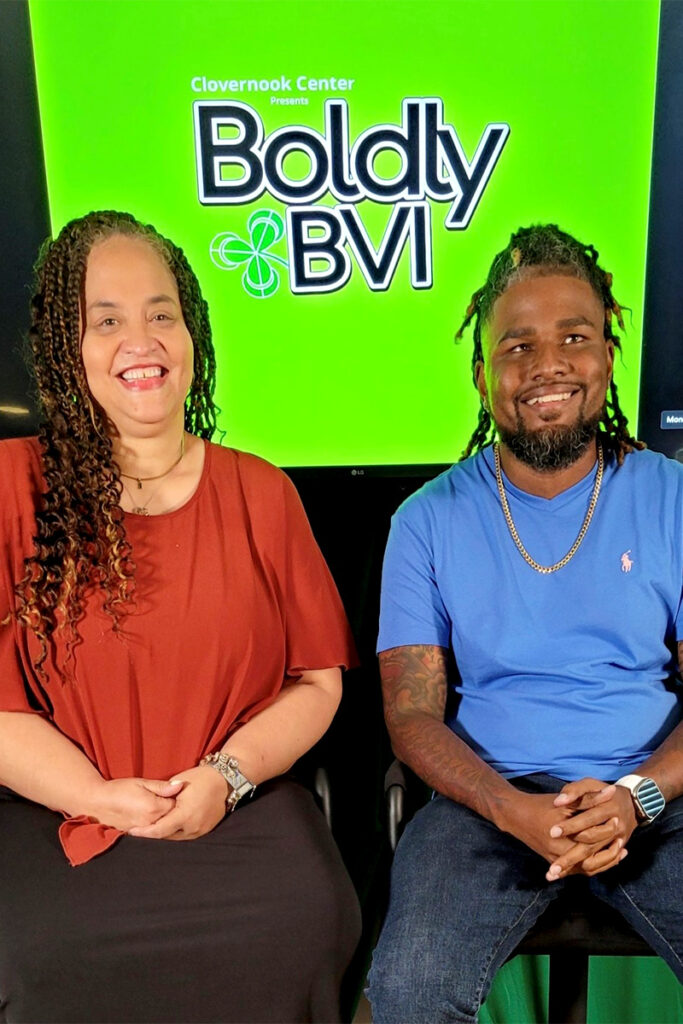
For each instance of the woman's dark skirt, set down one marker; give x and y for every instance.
(254, 922)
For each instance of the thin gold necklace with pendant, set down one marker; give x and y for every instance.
(547, 569)
(143, 510)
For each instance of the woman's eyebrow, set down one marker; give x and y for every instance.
(152, 301)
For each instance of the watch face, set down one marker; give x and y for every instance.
(236, 779)
(649, 796)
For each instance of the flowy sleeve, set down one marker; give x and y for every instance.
(19, 485)
(14, 692)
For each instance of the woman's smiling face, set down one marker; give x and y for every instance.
(136, 349)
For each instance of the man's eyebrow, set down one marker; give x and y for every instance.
(526, 332)
(575, 321)
(517, 332)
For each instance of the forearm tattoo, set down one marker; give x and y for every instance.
(414, 686)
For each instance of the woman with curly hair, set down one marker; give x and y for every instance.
(170, 640)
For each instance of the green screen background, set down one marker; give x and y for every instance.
(357, 377)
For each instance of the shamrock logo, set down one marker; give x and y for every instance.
(228, 251)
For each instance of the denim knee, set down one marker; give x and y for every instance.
(408, 992)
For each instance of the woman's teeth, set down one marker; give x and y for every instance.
(142, 373)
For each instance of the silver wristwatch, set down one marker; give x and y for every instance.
(238, 785)
(647, 796)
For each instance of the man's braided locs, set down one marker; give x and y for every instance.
(544, 250)
(80, 537)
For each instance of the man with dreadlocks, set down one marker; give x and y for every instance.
(531, 630)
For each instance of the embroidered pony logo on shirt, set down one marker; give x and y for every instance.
(626, 562)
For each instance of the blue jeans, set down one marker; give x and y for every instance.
(464, 894)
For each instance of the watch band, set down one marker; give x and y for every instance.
(239, 785)
(647, 796)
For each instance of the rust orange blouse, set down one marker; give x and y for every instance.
(232, 599)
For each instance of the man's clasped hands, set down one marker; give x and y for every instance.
(581, 830)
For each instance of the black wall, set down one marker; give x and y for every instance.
(661, 382)
(24, 220)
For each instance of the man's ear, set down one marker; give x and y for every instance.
(610, 361)
(480, 378)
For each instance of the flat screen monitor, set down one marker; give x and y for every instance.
(340, 175)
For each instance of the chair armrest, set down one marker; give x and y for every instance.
(395, 786)
(321, 784)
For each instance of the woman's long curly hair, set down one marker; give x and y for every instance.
(80, 539)
(543, 250)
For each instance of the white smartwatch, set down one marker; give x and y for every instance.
(647, 796)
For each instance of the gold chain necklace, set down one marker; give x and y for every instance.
(547, 569)
(148, 479)
(143, 510)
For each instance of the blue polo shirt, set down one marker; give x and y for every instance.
(572, 673)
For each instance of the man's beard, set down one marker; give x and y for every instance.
(551, 447)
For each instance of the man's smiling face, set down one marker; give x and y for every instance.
(546, 368)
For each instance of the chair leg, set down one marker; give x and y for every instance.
(568, 987)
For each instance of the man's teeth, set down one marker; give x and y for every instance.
(142, 373)
(545, 399)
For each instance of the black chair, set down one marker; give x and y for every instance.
(570, 931)
(575, 926)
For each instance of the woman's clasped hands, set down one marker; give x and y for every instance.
(185, 807)
(199, 806)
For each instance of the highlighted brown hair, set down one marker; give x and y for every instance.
(80, 539)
